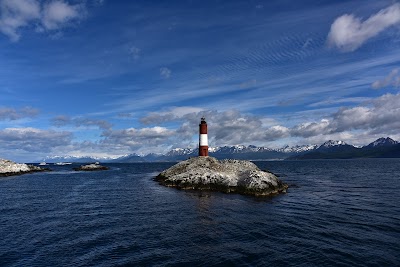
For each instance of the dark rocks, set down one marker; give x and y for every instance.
(208, 173)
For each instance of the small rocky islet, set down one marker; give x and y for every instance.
(91, 167)
(11, 168)
(229, 176)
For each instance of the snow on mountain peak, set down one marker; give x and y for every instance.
(239, 147)
(213, 149)
(180, 151)
(383, 142)
(332, 143)
(297, 149)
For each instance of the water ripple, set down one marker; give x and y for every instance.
(122, 217)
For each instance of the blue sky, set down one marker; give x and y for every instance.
(109, 78)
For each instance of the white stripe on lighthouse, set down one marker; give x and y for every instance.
(203, 140)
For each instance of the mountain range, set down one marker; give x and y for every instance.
(380, 148)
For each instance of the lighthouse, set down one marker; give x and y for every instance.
(203, 139)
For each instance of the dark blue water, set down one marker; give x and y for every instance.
(337, 213)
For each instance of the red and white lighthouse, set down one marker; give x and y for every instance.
(203, 138)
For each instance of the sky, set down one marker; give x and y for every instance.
(107, 78)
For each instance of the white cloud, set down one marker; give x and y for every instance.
(57, 14)
(165, 72)
(349, 32)
(392, 79)
(16, 14)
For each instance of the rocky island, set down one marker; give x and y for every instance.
(10, 168)
(229, 176)
(91, 167)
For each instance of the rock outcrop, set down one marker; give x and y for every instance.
(91, 167)
(10, 168)
(208, 173)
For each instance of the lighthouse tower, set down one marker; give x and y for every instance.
(203, 139)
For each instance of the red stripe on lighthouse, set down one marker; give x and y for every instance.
(203, 138)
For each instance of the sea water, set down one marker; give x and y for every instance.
(336, 213)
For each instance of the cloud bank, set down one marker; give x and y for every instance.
(376, 117)
(372, 119)
(33, 140)
(380, 117)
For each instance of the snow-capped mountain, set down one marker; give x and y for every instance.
(383, 142)
(381, 148)
(78, 159)
(297, 149)
(180, 151)
(332, 143)
(230, 149)
(130, 158)
(238, 149)
(213, 149)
